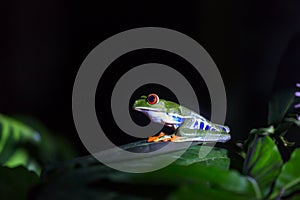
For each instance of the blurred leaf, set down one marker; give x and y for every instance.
(279, 105)
(288, 180)
(211, 177)
(22, 158)
(283, 128)
(295, 197)
(154, 185)
(19, 157)
(293, 120)
(94, 182)
(263, 163)
(189, 169)
(52, 147)
(15, 183)
(21, 144)
(62, 192)
(189, 191)
(263, 131)
(13, 134)
(257, 132)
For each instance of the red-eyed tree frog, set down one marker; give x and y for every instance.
(188, 125)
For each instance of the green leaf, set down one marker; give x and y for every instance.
(52, 146)
(288, 180)
(15, 183)
(207, 174)
(263, 131)
(263, 162)
(258, 132)
(20, 157)
(217, 157)
(279, 105)
(213, 178)
(96, 182)
(62, 192)
(157, 184)
(13, 134)
(18, 132)
(189, 191)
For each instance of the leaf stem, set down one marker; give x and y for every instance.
(255, 187)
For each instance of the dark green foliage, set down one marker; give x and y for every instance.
(289, 177)
(217, 157)
(279, 105)
(15, 183)
(160, 184)
(263, 163)
(265, 175)
(14, 136)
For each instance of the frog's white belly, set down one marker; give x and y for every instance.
(162, 117)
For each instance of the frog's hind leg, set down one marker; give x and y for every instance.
(188, 124)
(183, 133)
(193, 135)
(188, 132)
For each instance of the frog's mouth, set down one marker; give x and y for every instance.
(146, 109)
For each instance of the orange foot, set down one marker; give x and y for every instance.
(163, 137)
(156, 138)
(173, 138)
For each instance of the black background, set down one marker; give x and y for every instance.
(255, 44)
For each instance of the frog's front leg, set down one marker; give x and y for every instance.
(174, 137)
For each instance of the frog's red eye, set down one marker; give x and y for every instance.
(152, 99)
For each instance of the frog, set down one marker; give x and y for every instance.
(188, 126)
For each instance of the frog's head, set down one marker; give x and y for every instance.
(158, 110)
(150, 103)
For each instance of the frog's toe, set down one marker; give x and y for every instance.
(156, 138)
(161, 134)
(174, 138)
(152, 139)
